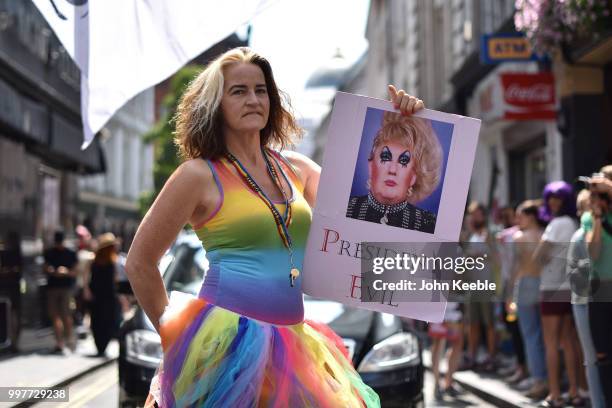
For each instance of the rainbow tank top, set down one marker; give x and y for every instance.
(249, 265)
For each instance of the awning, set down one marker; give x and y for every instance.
(47, 134)
(597, 52)
(65, 155)
(65, 143)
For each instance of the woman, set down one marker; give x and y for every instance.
(526, 282)
(243, 341)
(555, 307)
(101, 292)
(405, 167)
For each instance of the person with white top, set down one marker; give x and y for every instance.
(557, 324)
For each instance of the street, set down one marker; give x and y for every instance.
(97, 389)
(465, 400)
(93, 381)
(100, 389)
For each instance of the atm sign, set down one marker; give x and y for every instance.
(505, 47)
(509, 48)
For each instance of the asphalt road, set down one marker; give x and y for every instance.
(464, 400)
(100, 389)
(97, 389)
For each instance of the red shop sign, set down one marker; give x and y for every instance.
(528, 96)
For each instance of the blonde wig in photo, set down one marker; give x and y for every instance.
(199, 120)
(420, 139)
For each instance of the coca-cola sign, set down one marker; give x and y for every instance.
(528, 90)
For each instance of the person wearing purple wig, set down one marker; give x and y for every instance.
(559, 209)
(562, 191)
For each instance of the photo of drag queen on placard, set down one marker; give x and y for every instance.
(400, 170)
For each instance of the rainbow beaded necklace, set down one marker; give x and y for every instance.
(282, 222)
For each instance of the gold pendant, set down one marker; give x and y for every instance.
(294, 275)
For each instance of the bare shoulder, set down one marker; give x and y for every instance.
(194, 169)
(189, 183)
(302, 162)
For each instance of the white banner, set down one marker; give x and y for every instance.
(123, 47)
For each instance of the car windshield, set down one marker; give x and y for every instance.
(187, 269)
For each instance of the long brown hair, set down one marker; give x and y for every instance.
(199, 121)
(105, 256)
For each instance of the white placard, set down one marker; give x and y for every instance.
(332, 263)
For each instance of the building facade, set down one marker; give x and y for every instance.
(46, 181)
(110, 201)
(432, 49)
(352, 80)
(584, 82)
(40, 127)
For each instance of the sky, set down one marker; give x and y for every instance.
(299, 36)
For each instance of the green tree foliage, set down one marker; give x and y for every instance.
(166, 153)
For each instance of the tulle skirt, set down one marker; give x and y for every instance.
(214, 357)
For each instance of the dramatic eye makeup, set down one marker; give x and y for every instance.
(404, 158)
(385, 154)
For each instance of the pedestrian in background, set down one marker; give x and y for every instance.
(11, 270)
(85, 256)
(101, 293)
(124, 289)
(579, 269)
(557, 323)
(507, 254)
(598, 229)
(451, 331)
(60, 268)
(480, 312)
(526, 296)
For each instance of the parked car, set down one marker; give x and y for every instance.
(387, 357)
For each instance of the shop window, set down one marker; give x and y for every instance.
(527, 170)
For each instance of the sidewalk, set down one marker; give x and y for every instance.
(489, 387)
(34, 366)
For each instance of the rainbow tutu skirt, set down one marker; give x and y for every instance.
(214, 357)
